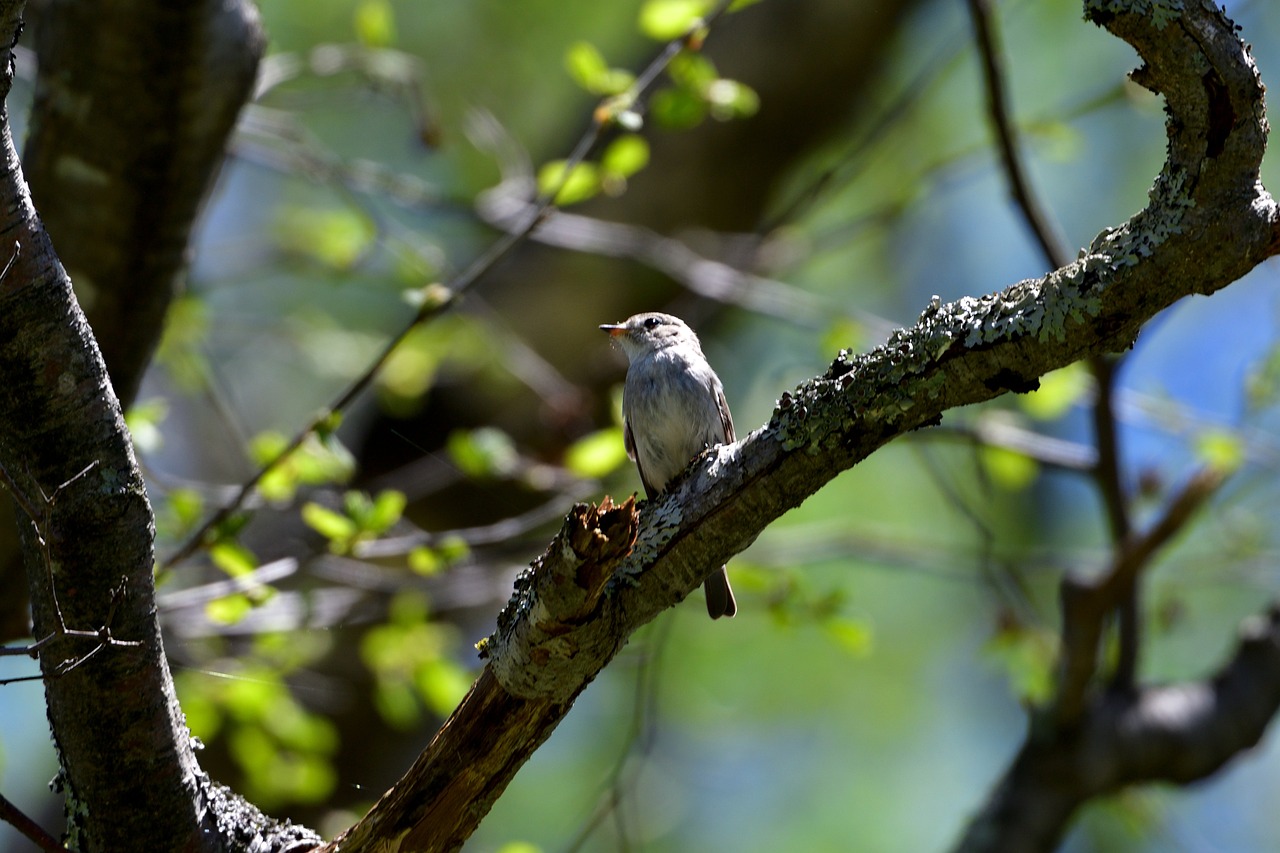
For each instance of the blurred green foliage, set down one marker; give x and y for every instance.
(893, 626)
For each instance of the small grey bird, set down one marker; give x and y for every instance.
(673, 408)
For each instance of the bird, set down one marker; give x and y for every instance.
(673, 408)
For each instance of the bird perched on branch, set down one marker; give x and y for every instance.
(673, 408)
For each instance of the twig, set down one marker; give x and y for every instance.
(1086, 603)
(39, 518)
(1043, 227)
(12, 815)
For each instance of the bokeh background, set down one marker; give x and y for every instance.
(891, 629)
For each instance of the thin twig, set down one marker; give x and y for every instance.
(14, 816)
(1043, 227)
(39, 519)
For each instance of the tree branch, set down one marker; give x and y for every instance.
(141, 101)
(128, 771)
(1174, 733)
(1209, 221)
(1087, 603)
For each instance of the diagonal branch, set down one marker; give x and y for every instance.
(1208, 222)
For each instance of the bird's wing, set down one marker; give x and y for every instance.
(628, 440)
(726, 419)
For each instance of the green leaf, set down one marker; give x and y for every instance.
(333, 526)
(397, 703)
(692, 71)
(483, 452)
(181, 351)
(852, 635)
(580, 184)
(186, 506)
(730, 99)
(266, 447)
(442, 684)
(664, 20)
(1014, 471)
(625, 156)
(425, 562)
(1027, 657)
(587, 66)
(388, 508)
(143, 420)
(1262, 384)
(596, 454)
(1220, 449)
(453, 548)
(229, 609)
(677, 109)
(233, 558)
(336, 237)
(1058, 392)
(375, 23)
(519, 847)
(843, 333)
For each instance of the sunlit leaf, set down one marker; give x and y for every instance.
(453, 548)
(1014, 471)
(852, 635)
(233, 558)
(333, 526)
(375, 23)
(843, 333)
(1058, 392)
(668, 19)
(483, 452)
(229, 609)
(143, 420)
(730, 99)
(625, 156)
(589, 70)
(519, 847)
(397, 702)
(424, 561)
(442, 684)
(692, 71)
(1220, 449)
(582, 182)
(181, 350)
(677, 109)
(596, 454)
(335, 237)
(186, 506)
(1262, 385)
(387, 509)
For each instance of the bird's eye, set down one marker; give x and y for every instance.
(652, 322)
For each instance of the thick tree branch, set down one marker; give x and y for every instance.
(1209, 222)
(134, 103)
(1176, 733)
(128, 772)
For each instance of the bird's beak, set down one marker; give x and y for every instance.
(614, 329)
